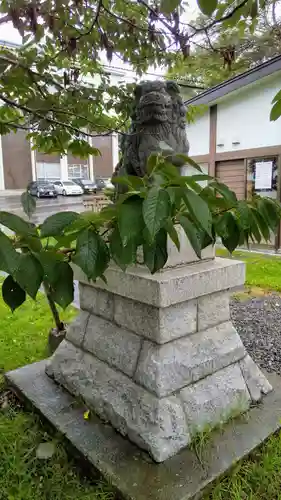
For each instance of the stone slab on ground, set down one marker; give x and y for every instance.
(131, 471)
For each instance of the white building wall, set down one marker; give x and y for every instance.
(198, 134)
(243, 118)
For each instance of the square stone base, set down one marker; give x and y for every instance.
(132, 472)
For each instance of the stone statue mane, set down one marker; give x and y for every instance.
(158, 117)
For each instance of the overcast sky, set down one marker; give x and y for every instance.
(10, 34)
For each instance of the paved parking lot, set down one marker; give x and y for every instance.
(44, 206)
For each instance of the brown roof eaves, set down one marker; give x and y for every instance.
(238, 81)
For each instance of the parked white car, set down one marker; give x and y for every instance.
(108, 184)
(67, 188)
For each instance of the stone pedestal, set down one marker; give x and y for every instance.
(157, 356)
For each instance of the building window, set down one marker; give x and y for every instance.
(47, 170)
(78, 171)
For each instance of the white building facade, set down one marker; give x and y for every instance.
(235, 140)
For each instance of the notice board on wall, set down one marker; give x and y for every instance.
(263, 175)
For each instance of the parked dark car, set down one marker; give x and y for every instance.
(87, 185)
(42, 189)
(100, 184)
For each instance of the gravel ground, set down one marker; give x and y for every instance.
(258, 322)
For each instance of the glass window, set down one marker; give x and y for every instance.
(78, 171)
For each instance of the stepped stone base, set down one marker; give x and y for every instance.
(157, 356)
(129, 470)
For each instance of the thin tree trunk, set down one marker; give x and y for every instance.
(53, 307)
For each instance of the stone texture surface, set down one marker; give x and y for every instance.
(96, 301)
(215, 399)
(158, 426)
(172, 286)
(117, 346)
(167, 368)
(257, 383)
(159, 325)
(76, 331)
(213, 309)
(129, 470)
(185, 255)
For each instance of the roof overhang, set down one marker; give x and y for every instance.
(251, 76)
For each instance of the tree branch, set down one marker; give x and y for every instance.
(16, 62)
(53, 121)
(5, 19)
(218, 21)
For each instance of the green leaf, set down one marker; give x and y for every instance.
(192, 233)
(28, 203)
(275, 111)
(199, 209)
(207, 7)
(62, 289)
(224, 191)
(32, 243)
(262, 224)
(169, 171)
(172, 232)
(254, 9)
(29, 274)
(156, 209)
(155, 254)
(49, 260)
(175, 194)
(9, 257)
(17, 224)
(13, 295)
(269, 212)
(108, 213)
(229, 231)
(122, 255)
(92, 254)
(79, 224)
(200, 177)
(131, 181)
(187, 159)
(207, 240)
(244, 214)
(277, 97)
(130, 219)
(168, 6)
(153, 162)
(56, 224)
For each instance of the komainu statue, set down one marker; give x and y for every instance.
(158, 125)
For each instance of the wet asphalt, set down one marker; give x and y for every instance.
(44, 208)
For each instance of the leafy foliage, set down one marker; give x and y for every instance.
(12, 293)
(223, 53)
(64, 95)
(134, 229)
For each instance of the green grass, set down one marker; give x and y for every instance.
(23, 337)
(258, 478)
(262, 271)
